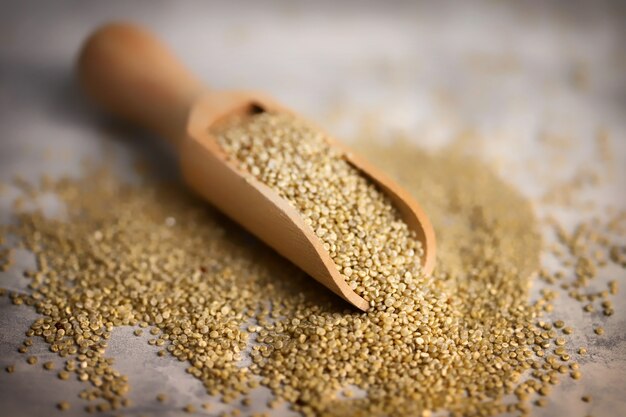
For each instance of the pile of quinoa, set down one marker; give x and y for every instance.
(159, 259)
(374, 250)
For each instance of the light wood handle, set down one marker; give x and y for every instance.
(133, 75)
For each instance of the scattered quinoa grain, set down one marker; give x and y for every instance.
(469, 328)
(63, 406)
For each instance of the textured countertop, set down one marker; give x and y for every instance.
(511, 75)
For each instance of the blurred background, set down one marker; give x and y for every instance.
(533, 83)
(433, 69)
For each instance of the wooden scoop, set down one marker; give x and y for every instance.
(130, 73)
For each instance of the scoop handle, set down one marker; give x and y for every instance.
(132, 74)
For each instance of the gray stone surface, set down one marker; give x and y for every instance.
(511, 73)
